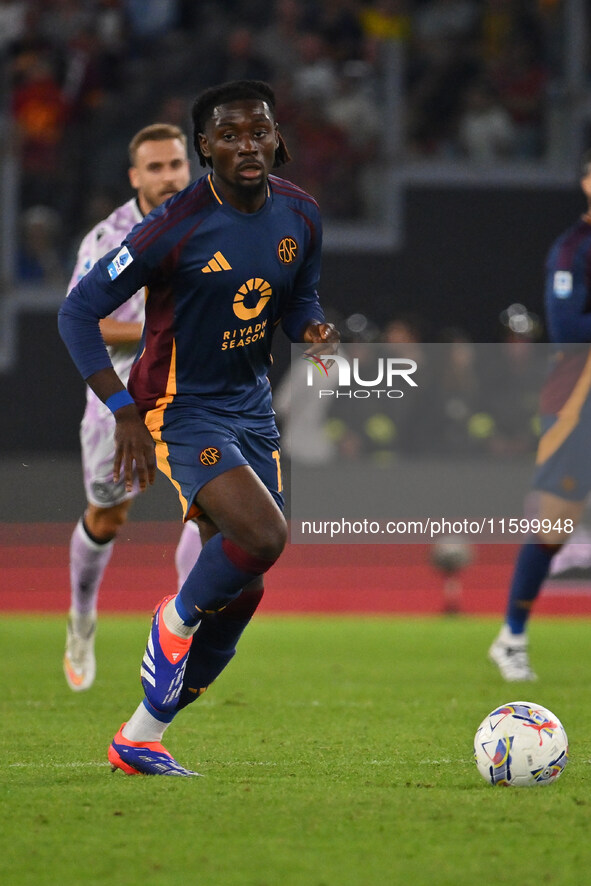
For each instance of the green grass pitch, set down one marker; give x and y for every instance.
(336, 751)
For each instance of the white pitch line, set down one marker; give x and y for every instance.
(72, 765)
(237, 763)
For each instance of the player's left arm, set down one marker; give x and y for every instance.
(304, 320)
(303, 311)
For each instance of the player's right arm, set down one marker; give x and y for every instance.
(109, 283)
(120, 332)
(98, 242)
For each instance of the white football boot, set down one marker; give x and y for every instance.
(509, 653)
(79, 659)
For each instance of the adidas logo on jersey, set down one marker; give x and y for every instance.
(217, 263)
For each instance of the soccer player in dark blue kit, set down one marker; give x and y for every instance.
(224, 262)
(563, 464)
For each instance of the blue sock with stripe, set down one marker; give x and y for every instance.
(214, 643)
(530, 571)
(221, 571)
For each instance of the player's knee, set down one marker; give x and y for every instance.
(258, 546)
(268, 542)
(105, 523)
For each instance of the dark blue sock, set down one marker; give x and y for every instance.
(214, 644)
(221, 571)
(531, 568)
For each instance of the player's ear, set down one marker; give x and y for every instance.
(134, 179)
(203, 144)
(276, 136)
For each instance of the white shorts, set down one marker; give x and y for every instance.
(98, 453)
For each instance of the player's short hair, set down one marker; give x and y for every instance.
(233, 91)
(156, 132)
(586, 163)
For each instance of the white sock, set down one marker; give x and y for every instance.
(187, 551)
(142, 726)
(88, 561)
(83, 622)
(174, 622)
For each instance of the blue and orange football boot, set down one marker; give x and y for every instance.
(143, 758)
(164, 662)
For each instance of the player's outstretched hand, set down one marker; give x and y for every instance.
(324, 333)
(324, 339)
(133, 445)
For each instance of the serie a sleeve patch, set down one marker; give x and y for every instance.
(121, 261)
(563, 284)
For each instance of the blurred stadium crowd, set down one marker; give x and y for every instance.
(79, 77)
(473, 400)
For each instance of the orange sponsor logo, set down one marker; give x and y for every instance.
(257, 286)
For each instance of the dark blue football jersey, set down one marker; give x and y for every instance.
(218, 283)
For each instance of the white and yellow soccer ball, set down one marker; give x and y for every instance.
(521, 744)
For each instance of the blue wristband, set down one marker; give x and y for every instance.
(116, 401)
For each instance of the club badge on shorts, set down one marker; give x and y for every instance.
(210, 456)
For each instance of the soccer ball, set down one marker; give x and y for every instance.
(521, 744)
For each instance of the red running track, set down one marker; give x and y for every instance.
(307, 578)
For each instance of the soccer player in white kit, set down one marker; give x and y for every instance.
(159, 168)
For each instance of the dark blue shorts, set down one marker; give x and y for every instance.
(563, 464)
(193, 446)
